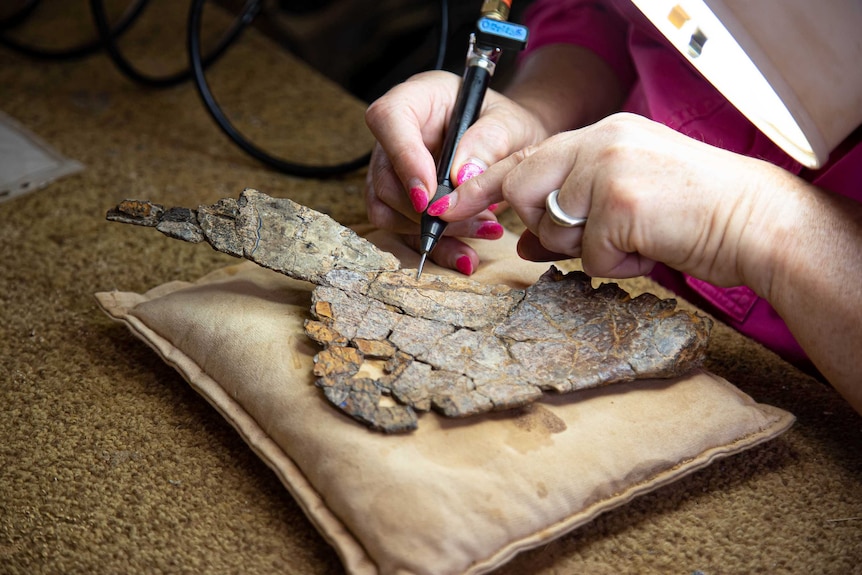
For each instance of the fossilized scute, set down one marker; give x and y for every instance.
(275, 233)
(394, 345)
(461, 348)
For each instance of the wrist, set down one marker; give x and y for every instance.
(566, 87)
(773, 241)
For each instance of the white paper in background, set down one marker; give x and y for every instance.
(27, 163)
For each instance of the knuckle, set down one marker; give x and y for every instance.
(401, 157)
(509, 189)
(378, 214)
(557, 242)
(495, 137)
(378, 168)
(429, 76)
(525, 152)
(377, 113)
(627, 198)
(509, 183)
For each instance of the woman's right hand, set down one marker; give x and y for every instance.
(555, 88)
(409, 123)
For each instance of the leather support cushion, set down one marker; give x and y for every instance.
(456, 496)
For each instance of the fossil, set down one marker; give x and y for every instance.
(394, 345)
(278, 234)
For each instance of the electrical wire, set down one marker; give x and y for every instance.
(444, 35)
(285, 166)
(62, 54)
(108, 35)
(282, 165)
(108, 43)
(17, 17)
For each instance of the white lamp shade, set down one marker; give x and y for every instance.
(793, 67)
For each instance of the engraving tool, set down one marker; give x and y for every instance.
(493, 34)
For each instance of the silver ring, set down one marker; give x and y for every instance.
(558, 216)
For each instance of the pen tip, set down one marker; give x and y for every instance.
(421, 265)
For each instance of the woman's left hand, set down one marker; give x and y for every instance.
(649, 194)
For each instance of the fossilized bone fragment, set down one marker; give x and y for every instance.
(394, 345)
(275, 233)
(482, 348)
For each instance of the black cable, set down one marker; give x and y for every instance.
(288, 167)
(17, 17)
(81, 51)
(101, 20)
(444, 35)
(107, 40)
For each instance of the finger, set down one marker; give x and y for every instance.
(530, 248)
(555, 164)
(383, 189)
(494, 186)
(478, 193)
(498, 208)
(556, 238)
(485, 226)
(382, 216)
(502, 128)
(620, 265)
(408, 122)
(383, 192)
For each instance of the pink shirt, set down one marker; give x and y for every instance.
(663, 86)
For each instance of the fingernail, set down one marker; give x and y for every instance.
(439, 207)
(471, 169)
(419, 197)
(493, 207)
(489, 231)
(464, 265)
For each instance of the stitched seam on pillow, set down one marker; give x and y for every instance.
(351, 552)
(780, 422)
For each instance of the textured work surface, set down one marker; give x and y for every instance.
(110, 463)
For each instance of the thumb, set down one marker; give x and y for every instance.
(503, 128)
(477, 193)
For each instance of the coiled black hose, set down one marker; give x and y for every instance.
(100, 18)
(198, 62)
(86, 49)
(285, 166)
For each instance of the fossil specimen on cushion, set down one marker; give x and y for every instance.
(394, 345)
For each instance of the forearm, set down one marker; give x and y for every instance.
(814, 280)
(566, 87)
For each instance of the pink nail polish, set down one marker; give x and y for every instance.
(464, 265)
(493, 207)
(439, 207)
(489, 231)
(467, 171)
(419, 199)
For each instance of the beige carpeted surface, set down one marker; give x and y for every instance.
(109, 463)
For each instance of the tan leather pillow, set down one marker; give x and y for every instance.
(456, 496)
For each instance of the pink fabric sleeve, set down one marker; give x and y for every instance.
(662, 86)
(591, 24)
